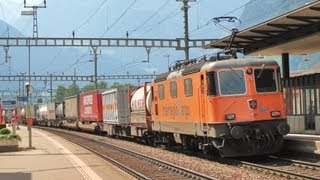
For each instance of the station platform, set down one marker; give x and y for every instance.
(302, 143)
(53, 158)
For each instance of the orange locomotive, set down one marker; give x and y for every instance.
(235, 106)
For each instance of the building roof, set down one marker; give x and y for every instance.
(296, 32)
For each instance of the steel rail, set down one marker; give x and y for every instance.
(110, 160)
(172, 167)
(274, 171)
(298, 163)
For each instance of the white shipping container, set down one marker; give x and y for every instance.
(43, 112)
(59, 109)
(51, 111)
(115, 106)
(71, 108)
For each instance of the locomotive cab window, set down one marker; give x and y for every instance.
(188, 87)
(232, 82)
(279, 82)
(212, 90)
(161, 91)
(173, 89)
(265, 80)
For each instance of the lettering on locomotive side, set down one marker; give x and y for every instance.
(88, 100)
(87, 110)
(176, 111)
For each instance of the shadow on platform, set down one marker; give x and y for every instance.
(15, 176)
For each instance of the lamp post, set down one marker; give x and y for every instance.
(28, 114)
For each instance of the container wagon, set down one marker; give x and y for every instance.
(71, 112)
(115, 109)
(90, 107)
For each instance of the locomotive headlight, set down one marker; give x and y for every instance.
(275, 113)
(229, 117)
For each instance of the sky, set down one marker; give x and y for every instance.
(113, 18)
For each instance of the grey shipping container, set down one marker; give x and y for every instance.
(115, 106)
(71, 108)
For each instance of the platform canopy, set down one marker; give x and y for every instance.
(296, 32)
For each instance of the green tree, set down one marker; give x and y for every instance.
(100, 85)
(72, 90)
(118, 85)
(60, 93)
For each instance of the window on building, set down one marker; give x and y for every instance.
(188, 87)
(297, 100)
(173, 89)
(318, 100)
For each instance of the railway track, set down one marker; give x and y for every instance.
(288, 168)
(138, 165)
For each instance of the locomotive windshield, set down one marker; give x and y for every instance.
(265, 80)
(232, 82)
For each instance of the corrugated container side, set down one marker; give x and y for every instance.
(90, 106)
(59, 110)
(71, 108)
(116, 106)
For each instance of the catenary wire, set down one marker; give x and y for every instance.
(91, 16)
(117, 20)
(154, 14)
(210, 21)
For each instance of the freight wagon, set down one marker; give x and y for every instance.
(115, 109)
(42, 115)
(71, 112)
(90, 111)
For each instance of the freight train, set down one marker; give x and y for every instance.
(235, 107)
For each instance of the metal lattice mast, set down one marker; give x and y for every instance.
(185, 9)
(33, 13)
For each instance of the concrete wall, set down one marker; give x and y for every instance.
(317, 120)
(297, 124)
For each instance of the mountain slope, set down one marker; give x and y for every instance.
(259, 11)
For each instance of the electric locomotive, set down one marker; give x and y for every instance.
(234, 106)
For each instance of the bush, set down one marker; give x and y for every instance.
(10, 136)
(16, 136)
(2, 136)
(5, 131)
